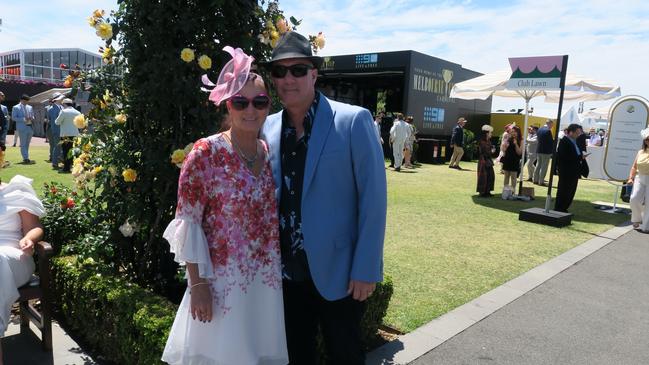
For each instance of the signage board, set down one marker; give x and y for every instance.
(627, 117)
(535, 73)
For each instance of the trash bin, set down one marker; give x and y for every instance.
(431, 150)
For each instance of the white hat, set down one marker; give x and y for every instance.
(68, 101)
(487, 128)
(644, 133)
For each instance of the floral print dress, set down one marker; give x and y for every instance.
(226, 222)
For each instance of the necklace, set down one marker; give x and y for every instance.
(249, 161)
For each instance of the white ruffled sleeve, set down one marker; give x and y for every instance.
(187, 240)
(188, 244)
(19, 195)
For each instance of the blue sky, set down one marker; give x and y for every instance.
(606, 40)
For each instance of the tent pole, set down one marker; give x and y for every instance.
(523, 146)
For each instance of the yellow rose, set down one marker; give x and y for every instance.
(92, 21)
(80, 121)
(187, 55)
(205, 62)
(282, 26)
(177, 157)
(129, 175)
(98, 13)
(274, 38)
(121, 118)
(87, 147)
(107, 55)
(97, 170)
(104, 30)
(320, 41)
(77, 169)
(107, 97)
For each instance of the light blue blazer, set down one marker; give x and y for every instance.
(344, 196)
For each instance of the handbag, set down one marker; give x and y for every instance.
(625, 194)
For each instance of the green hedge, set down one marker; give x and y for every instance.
(126, 324)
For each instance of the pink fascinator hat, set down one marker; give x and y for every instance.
(232, 78)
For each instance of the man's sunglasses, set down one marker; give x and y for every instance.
(240, 102)
(299, 70)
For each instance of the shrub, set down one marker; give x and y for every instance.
(127, 324)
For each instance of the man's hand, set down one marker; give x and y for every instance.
(360, 290)
(27, 246)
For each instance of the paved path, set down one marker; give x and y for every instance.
(25, 349)
(595, 312)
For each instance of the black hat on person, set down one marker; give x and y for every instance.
(293, 45)
(24, 97)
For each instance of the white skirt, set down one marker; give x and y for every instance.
(16, 269)
(250, 332)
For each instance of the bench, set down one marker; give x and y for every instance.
(38, 288)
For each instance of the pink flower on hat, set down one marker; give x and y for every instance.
(232, 78)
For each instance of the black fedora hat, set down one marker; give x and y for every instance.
(293, 45)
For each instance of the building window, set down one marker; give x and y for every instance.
(38, 58)
(57, 74)
(56, 58)
(29, 58)
(47, 59)
(65, 58)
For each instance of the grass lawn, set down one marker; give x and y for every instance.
(445, 246)
(41, 171)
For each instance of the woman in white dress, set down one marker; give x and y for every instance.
(226, 231)
(20, 229)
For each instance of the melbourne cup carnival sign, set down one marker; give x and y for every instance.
(627, 117)
(535, 73)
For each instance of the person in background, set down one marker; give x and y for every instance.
(531, 146)
(409, 147)
(543, 152)
(602, 136)
(23, 114)
(54, 130)
(399, 134)
(457, 143)
(593, 138)
(568, 168)
(4, 120)
(639, 178)
(486, 175)
(68, 131)
(20, 230)
(503, 142)
(377, 126)
(512, 154)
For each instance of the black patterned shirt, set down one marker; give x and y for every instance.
(293, 152)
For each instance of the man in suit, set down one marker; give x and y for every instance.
(457, 142)
(23, 114)
(568, 161)
(331, 189)
(55, 130)
(4, 120)
(543, 152)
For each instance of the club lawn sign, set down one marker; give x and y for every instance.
(542, 73)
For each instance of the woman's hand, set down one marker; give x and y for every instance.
(201, 302)
(629, 182)
(27, 245)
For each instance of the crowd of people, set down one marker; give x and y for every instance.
(60, 130)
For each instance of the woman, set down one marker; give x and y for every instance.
(486, 175)
(68, 131)
(20, 229)
(639, 177)
(226, 233)
(410, 142)
(511, 160)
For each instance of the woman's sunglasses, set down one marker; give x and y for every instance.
(299, 70)
(240, 102)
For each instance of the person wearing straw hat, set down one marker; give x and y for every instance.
(639, 177)
(332, 195)
(68, 131)
(226, 232)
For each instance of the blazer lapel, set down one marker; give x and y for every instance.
(272, 134)
(324, 119)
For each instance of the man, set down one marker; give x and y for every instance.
(531, 146)
(68, 131)
(55, 130)
(399, 134)
(4, 120)
(23, 114)
(332, 196)
(594, 138)
(457, 143)
(543, 152)
(377, 126)
(568, 167)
